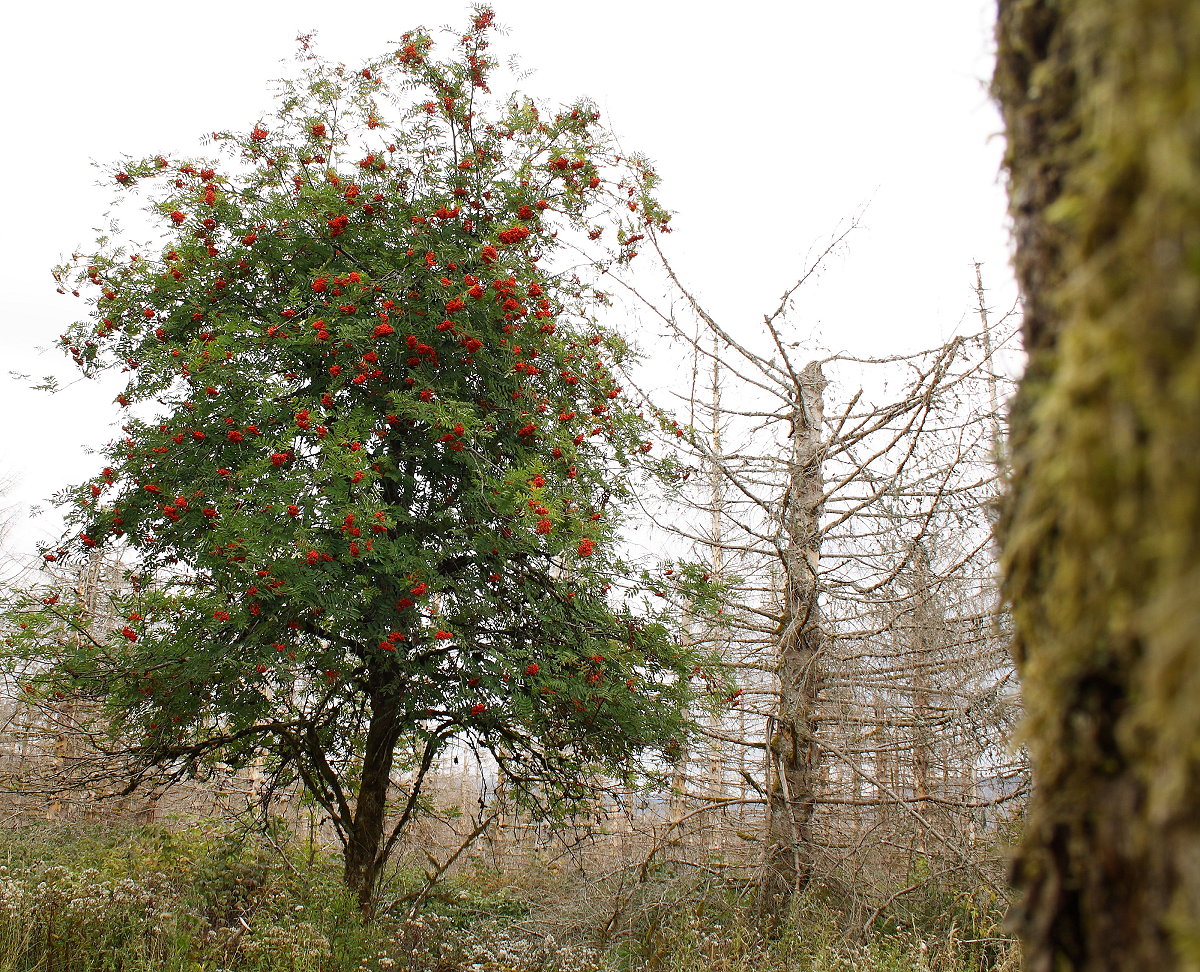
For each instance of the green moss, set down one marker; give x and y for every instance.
(1101, 531)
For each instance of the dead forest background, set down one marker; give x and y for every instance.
(865, 759)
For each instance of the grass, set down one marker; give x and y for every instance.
(208, 899)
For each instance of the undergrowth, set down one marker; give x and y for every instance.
(210, 899)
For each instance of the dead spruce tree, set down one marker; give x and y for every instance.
(852, 532)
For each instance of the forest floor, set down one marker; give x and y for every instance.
(209, 898)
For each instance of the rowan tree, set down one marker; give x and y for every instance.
(374, 457)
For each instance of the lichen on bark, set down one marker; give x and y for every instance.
(1100, 532)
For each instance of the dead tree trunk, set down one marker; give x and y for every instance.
(921, 645)
(1101, 527)
(792, 748)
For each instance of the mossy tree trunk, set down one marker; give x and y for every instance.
(1101, 528)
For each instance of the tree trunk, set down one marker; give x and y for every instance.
(792, 750)
(1100, 531)
(926, 624)
(363, 861)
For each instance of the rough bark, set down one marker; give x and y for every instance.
(792, 748)
(1100, 531)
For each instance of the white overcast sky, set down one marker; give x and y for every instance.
(770, 123)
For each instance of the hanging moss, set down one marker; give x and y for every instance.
(1101, 528)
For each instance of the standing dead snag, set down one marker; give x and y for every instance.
(793, 755)
(1101, 526)
(819, 515)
